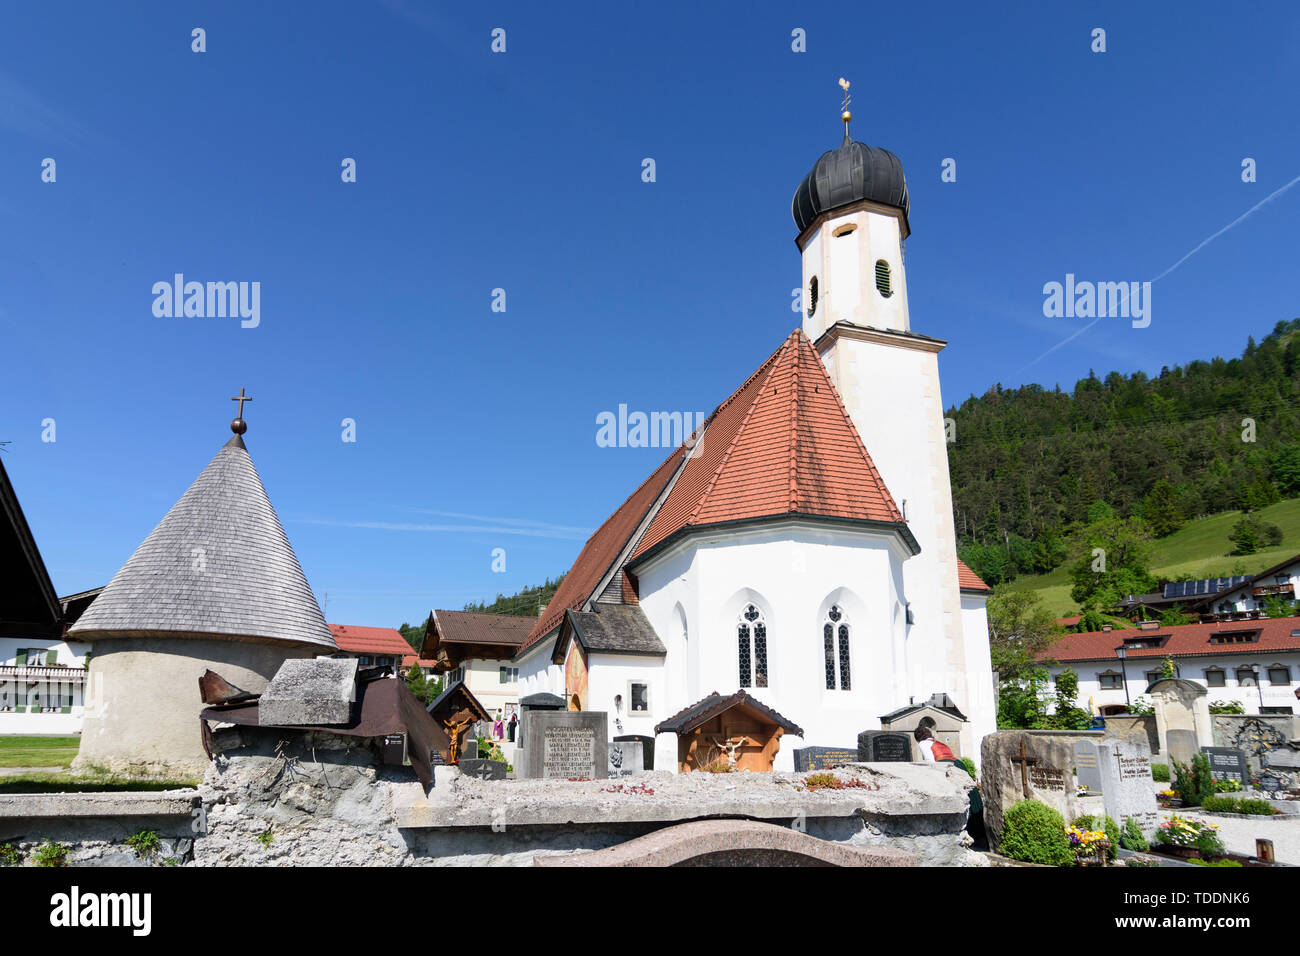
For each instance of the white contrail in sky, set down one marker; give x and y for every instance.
(1240, 219)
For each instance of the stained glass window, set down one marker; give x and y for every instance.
(752, 656)
(830, 645)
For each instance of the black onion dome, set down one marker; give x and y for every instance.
(850, 174)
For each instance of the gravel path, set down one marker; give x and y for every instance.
(1239, 835)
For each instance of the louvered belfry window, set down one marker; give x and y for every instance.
(835, 637)
(882, 278)
(751, 638)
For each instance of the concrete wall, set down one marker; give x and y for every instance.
(142, 706)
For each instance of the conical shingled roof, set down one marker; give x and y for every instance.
(218, 565)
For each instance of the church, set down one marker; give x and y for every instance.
(800, 547)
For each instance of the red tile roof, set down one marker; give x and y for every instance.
(782, 444)
(601, 550)
(968, 580)
(1184, 640)
(369, 640)
(410, 659)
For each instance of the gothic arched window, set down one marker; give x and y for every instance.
(751, 640)
(835, 644)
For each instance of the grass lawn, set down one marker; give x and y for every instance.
(85, 783)
(38, 751)
(1200, 548)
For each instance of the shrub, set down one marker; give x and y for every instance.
(969, 765)
(1223, 862)
(10, 855)
(1160, 772)
(1234, 805)
(1196, 783)
(50, 853)
(1133, 838)
(1035, 833)
(1227, 707)
(145, 843)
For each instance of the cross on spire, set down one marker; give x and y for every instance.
(239, 426)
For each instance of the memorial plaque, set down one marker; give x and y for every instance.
(1085, 766)
(1181, 746)
(1127, 787)
(625, 758)
(1228, 763)
(565, 745)
(483, 769)
(884, 746)
(822, 758)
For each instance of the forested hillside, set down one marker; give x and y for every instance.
(1027, 464)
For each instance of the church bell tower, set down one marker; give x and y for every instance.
(851, 212)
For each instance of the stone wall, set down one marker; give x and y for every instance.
(94, 828)
(317, 799)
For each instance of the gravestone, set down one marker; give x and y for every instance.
(884, 746)
(1181, 747)
(1017, 765)
(647, 748)
(1270, 781)
(566, 744)
(822, 758)
(307, 691)
(1127, 788)
(1085, 766)
(483, 769)
(625, 758)
(1228, 763)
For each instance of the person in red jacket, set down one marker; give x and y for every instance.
(932, 751)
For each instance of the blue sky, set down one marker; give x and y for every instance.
(522, 170)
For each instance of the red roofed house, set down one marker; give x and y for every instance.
(1254, 662)
(372, 646)
(800, 546)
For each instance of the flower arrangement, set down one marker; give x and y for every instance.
(1088, 845)
(1180, 831)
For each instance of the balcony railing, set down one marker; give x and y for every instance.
(42, 672)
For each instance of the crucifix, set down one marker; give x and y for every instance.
(1025, 762)
(241, 398)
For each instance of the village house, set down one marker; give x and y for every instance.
(1255, 663)
(371, 646)
(477, 650)
(1241, 597)
(800, 547)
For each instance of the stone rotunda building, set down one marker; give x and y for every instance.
(215, 585)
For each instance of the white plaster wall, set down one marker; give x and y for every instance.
(979, 668)
(793, 572)
(1193, 669)
(537, 675)
(483, 678)
(609, 675)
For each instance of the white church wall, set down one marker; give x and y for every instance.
(610, 676)
(537, 675)
(792, 572)
(983, 705)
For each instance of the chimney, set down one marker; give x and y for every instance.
(1148, 625)
(1106, 628)
(541, 610)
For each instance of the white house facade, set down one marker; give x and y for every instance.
(42, 686)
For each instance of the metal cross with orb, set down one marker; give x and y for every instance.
(241, 398)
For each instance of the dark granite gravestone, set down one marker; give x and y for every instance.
(483, 769)
(884, 746)
(566, 745)
(647, 748)
(1228, 763)
(625, 758)
(1085, 766)
(1269, 781)
(822, 758)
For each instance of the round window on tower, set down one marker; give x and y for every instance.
(812, 297)
(882, 278)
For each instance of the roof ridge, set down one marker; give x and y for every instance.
(769, 365)
(853, 430)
